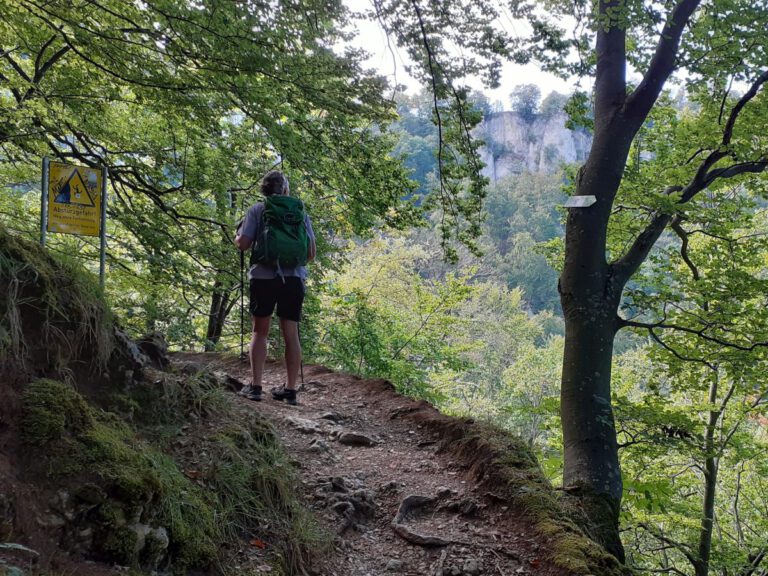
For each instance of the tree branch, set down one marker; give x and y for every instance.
(705, 175)
(701, 333)
(624, 267)
(668, 569)
(628, 264)
(662, 64)
(683, 235)
(683, 548)
(754, 560)
(41, 52)
(751, 93)
(435, 105)
(41, 70)
(15, 65)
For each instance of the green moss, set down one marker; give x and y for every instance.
(154, 549)
(80, 441)
(111, 540)
(515, 467)
(52, 409)
(123, 405)
(119, 545)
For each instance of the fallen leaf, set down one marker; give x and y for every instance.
(258, 543)
(193, 474)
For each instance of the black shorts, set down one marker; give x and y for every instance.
(288, 295)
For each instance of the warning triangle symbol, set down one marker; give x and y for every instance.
(75, 191)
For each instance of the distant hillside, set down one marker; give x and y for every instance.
(514, 146)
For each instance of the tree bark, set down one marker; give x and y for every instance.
(710, 485)
(589, 433)
(590, 292)
(221, 304)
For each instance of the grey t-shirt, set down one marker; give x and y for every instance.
(253, 228)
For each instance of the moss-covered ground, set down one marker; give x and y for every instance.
(244, 489)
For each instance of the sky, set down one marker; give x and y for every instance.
(391, 62)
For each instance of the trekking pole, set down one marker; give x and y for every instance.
(242, 308)
(242, 294)
(301, 357)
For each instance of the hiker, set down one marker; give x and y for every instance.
(281, 235)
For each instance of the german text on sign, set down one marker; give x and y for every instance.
(74, 199)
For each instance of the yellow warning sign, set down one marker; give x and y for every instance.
(74, 199)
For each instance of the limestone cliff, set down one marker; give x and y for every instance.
(513, 145)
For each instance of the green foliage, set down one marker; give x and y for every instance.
(663, 427)
(380, 318)
(522, 215)
(531, 386)
(436, 334)
(553, 104)
(188, 110)
(524, 100)
(580, 112)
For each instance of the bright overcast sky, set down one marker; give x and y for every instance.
(392, 63)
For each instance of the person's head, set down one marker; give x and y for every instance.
(274, 183)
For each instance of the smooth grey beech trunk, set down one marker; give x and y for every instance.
(590, 286)
(590, 297)
(711, 464)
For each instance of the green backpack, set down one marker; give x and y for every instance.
(283, 242)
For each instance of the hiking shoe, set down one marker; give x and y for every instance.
(284, 393)
(253, 394)
(244, 390)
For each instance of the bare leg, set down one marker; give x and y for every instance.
(290, 330)
(258, 348)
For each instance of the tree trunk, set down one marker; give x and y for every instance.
(590, 288)
(217, 316)
(590, 292)
(710, 485)
(589, 433)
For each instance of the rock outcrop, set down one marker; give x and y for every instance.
(513, 145)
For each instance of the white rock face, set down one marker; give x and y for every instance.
(513, 146)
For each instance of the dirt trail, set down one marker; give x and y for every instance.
(362, 449)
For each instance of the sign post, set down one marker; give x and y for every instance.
(44, 203)
(74, 201)
(103, 228)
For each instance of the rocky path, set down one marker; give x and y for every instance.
(374, 467)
